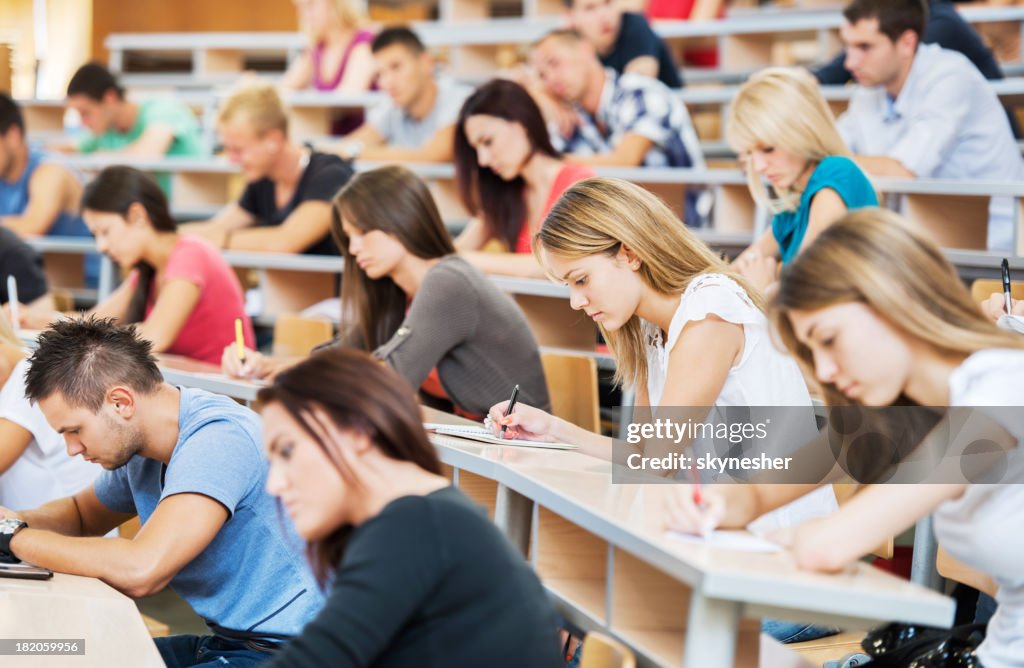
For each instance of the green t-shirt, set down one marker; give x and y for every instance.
(157, 111)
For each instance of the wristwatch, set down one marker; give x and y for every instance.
(8, 528)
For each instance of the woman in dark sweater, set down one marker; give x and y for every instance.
(408, 298)
(418, 575)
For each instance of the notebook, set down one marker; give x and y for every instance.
(741, 541)
(1011, 323)
(484, 435)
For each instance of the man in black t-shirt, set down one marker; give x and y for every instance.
(624, 41)
(18, 259)
(286, 205)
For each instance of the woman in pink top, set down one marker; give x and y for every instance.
(181, 291)
(338, 58)
(509, 176)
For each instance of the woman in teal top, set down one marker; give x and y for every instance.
(784, 132)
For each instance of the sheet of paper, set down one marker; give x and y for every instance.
(1011, 323)
(741, 541)
(485, 436)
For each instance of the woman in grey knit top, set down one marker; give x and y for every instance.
(408, 298)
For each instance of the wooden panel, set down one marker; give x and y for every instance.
(952, 221)
(555, 324)
(187, 16)
(734, 209)
(218, 61)
(293, 291)
(831, 648)
(482, 490)
(6, 72)
(193, 189)
(571, 562)
(746, 51)
(64, 270)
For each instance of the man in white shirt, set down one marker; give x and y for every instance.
(921, 110)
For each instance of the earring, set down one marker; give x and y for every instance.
(636, 265)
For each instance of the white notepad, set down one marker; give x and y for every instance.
(1011, 323)
(741, 541)
(484, 435)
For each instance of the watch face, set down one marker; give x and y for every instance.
(9, 525)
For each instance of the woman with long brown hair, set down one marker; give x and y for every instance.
(416, 570)
(509, 176)
(407, 297)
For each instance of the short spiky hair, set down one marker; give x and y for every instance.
(82, 358)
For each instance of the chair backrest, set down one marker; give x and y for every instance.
(953, 569)
(295, 335)
(846, 491)
(981, 288)
(601, 651)
(572, 386)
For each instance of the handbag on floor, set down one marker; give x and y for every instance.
(914, 646)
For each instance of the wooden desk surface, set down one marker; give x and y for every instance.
(72, 607)
(580, 489)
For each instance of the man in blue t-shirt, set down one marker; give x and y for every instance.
(624, 41)
(187, 463)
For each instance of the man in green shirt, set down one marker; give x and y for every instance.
(152, 128)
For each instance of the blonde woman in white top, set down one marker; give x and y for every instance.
(686, 331)
(34, 464)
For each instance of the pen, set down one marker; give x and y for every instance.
(511, 405)
(697, 497)
(239, 340)
(12, 299)
(1006, 283)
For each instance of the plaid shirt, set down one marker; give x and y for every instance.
(631, 103)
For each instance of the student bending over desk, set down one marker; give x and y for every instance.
(34, 466)
(782, 128)
(685, 330)
(286, 204)
(406, 296)
(180, 289)
(418, 575)
(188, 464)
(509, 176)
(875, 310)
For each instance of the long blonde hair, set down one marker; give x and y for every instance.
(599, 215)
(874, 257)
(349, 13)
(783, 108)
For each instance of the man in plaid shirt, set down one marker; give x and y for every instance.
(626, 119)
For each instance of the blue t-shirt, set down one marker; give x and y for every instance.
(253, 577)
(836, 172)
(14, 202)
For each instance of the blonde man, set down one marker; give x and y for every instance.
(286, 205)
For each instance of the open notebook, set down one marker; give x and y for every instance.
(484, 435)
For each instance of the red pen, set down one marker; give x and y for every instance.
(697, 499)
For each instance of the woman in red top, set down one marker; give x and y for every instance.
(509, 176)
(180, 291)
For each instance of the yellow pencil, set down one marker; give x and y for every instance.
(240, 339)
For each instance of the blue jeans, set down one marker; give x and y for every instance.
(790, 632)
(207, 652)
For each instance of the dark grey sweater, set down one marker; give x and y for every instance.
(430, 582)
(474, 334)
